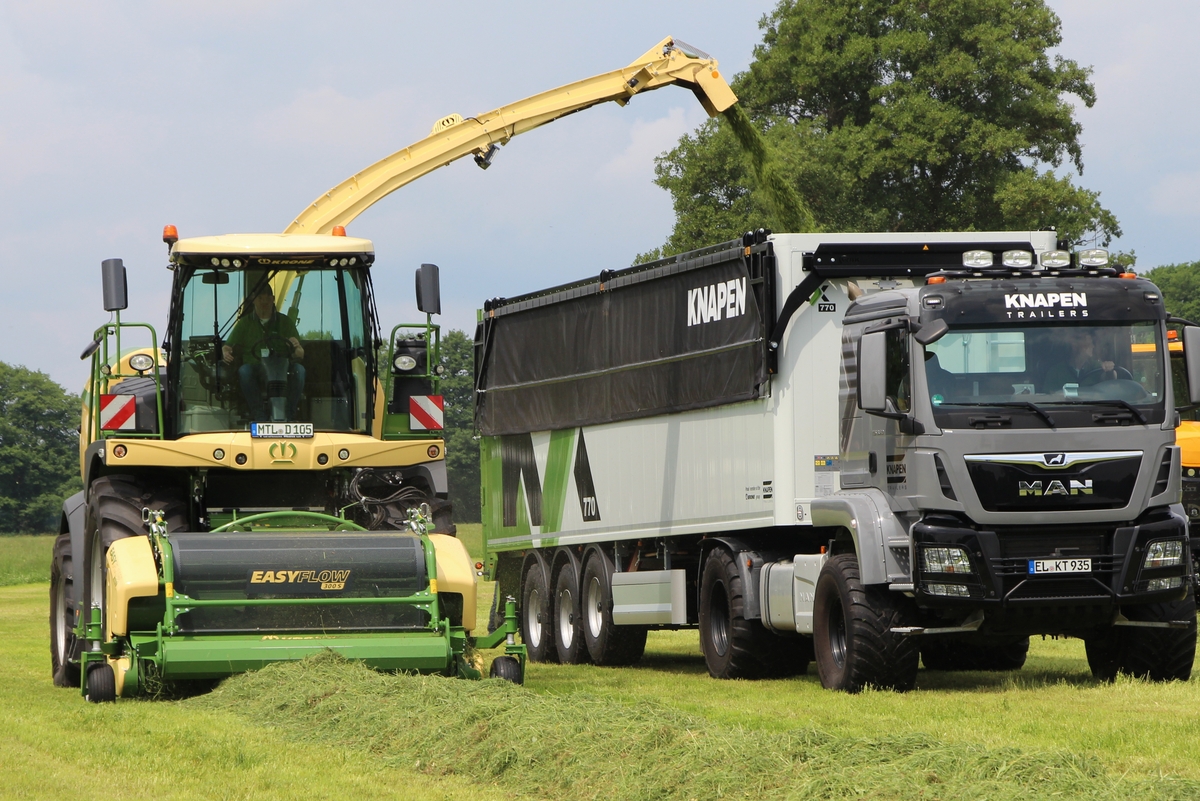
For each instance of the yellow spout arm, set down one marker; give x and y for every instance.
(668, 62)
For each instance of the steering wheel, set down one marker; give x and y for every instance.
(275, 343)
(1095, 375)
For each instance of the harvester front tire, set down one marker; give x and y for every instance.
(536, 630)
(101, 684)
(64, 646)
(608, 644)
(568, 618)
(852, 636)
(507, 668)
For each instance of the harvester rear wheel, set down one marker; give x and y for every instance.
(507, 668)
(536, 631)
(608, 644)
(568, 618)
(64, 646)
(101, 684)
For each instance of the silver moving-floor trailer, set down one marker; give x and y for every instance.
(865, 449)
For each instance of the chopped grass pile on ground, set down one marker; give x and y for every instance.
(25, 559)
(584, 746)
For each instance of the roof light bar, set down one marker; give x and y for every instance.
(1017, 258)
(1094, 257)
(1055, 259)
(978, 258)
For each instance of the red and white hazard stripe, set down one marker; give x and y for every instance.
(118, 412)
(426, 413)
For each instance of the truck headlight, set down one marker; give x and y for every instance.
(1164, 553)
(950, 590)
(1173, 583)
(945, 560)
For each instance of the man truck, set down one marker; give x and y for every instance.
(863, 449)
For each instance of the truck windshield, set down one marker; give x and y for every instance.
(1082, 375)
(271, 346)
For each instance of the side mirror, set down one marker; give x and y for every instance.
(1191, 357)
(872, 372)
(931, 332)
(116, 295)
(429, 293)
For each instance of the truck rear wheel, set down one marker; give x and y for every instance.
(1147, 653)
(568, 618)
(734, 647)
(852, 634)
(607, 644)
(535, 615)
(941, 654)
(64, 646)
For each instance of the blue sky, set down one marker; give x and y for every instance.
(222, 117)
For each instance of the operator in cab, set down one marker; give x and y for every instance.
(259, 335)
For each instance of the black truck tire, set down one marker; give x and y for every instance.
(852, 636)
(536, 630)
(568, 618)
(507, 668)
(114, 512)
(607, 643)
(734, 647)
(64, 646)
(1157, 654)
(949, 654)
(101, 684)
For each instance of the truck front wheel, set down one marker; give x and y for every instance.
(1158, 654)
(852, 635)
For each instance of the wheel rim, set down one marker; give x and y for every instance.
(595, 609)
(60, 618)
(566, 618)
(533, 618)
(96, 591)
(837, 634)
(718, 620)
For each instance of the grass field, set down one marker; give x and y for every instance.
(660, 730)
(25, 558)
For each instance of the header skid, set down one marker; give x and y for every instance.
(668, 62)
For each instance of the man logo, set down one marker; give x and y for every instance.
(1054, 459)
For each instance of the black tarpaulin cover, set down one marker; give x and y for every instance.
(681, 336)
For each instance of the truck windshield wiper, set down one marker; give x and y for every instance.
(1118, 402)
(1030, 405)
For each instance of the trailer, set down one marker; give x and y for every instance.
(864, 449)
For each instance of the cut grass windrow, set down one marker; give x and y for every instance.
(585, 747)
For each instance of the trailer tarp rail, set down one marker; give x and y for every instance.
(683, 333)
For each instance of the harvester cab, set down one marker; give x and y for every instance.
(267, 483)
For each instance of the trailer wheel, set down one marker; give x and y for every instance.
(535, 615)
(1146, 653)
(64, 646)
(568, 618)
(507, 668)
(852, 632)
(607, 643)
(101, 684)
(949, 655)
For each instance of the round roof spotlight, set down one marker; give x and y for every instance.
(219, 454)
(345, 262)
(215, 261)
(237, 262)
(1017, 258)
(978, 258)
(322, 458)
(404, 363)
(1093, 257)
(333, 262)
(1055, 258)
(344, 454)
(141, 362)
(352, 261)
(240, 458)
(440, 369)
(224, 262)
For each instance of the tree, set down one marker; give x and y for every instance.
(462, 450)
(897, 115)
(1180, 285)
(39, 450)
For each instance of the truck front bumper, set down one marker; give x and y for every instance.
(993, 568)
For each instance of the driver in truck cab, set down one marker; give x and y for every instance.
(261, 333)
(1080, 367)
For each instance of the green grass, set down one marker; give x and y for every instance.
(25, 558)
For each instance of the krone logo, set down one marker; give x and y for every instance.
(282, 451)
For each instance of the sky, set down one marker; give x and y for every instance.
(117, 118)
